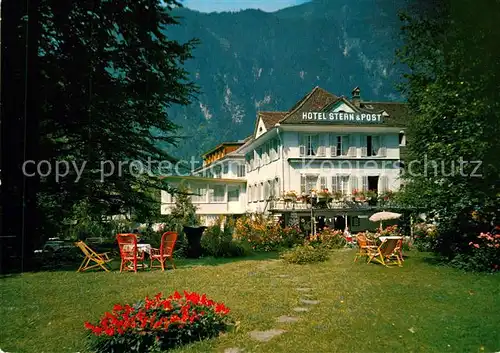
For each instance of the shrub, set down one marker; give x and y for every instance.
(424, 236)
(327, 238)
(158, 324)
(304, 254)
(264, 234)
(219, 242)
(484, 254)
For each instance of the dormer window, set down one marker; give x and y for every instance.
(402, 138)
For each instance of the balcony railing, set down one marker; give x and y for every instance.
(282, 204)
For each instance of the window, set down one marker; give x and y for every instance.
(308, 145)
(240, 171)
(233, 193)
(322, 182)
(374, 146)
(201, 194)
(402, 138)
(308, 183)
(217, 193)
(341, 183)
(267, 190)
(225, 168)
(276, 187)
(249, 194)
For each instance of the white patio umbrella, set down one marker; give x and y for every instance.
(383, 216)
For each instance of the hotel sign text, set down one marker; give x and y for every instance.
(343, 117)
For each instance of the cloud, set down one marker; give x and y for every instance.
(236, 5)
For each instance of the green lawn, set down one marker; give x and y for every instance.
(363, 308)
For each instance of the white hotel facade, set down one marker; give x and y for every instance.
(323, 142)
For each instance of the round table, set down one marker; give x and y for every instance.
(390, 237)
(144, 248)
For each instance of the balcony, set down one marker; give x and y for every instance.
(346, 204)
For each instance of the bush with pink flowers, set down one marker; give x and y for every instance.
(484, 254)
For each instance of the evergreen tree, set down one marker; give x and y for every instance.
(108, 72)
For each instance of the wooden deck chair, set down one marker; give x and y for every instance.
(399, 249)
(165, 252)
(365, 247)
(101, 260)
(129, 254)
(386, 251)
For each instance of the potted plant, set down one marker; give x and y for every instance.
(337, 195)
(290, 196)
(371, 197)
(324, 195)
(358, 196)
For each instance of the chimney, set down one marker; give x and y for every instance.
(356, 99)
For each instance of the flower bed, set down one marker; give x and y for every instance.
(158, 324)
(327, 238)
(264, 234)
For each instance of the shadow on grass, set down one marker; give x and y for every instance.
(72, 265)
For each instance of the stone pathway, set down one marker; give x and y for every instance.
(309, 302)
(304, 289)
(233, 350)
(286, 318)
(264, 336)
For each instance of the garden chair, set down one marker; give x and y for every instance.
(129, 253)
(399, 249)
(365, 247)
(165, 252)
(101, 260)
(386, 251)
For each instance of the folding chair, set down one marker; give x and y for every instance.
(365, 247)
(128, 252)
(101, 260)
(165, 252)
(386, 251)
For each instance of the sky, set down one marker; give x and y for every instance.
(236, 5)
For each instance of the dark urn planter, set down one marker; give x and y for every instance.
(193, 235)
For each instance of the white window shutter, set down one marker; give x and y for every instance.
(302, 145)
(302, 184)
(365, 183)
(322, 182)
(383, 148)
(383, 183)
(364, 146)
(345, 145)
(353, 180)
(335, 183)
(322, 145)
(333, 145)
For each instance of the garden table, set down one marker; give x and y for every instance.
(146, 248)
(389, 237)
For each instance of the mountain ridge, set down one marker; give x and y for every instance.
(253, 60)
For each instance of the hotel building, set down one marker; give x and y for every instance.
(323, 142)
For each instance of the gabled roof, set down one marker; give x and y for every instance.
(321, 100)
(271, 118)
(316, 100)
(399, 113)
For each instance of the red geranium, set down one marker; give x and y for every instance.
(160, 321)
